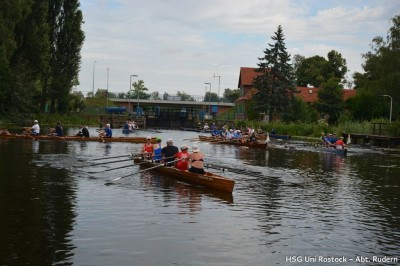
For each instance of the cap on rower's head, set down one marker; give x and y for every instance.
(195, 148)
(184, 147)
(170, 141)
(35, 121)
(148, 138)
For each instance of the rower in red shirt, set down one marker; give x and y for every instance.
(183, 157)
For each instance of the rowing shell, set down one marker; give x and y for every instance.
(75, 138)
(213, 140)
(209, 180)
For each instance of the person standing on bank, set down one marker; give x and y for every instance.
(196, 160)
(35, 128)
(168, 152)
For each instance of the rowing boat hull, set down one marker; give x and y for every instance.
(233, 142)
(208, 179)
(342, 152)
(74, 138)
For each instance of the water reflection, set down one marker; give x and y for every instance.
(187, 196)
(37, 207)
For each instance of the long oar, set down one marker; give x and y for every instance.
(141, 171)
(94, 164)
(115, 168)
(105, 158)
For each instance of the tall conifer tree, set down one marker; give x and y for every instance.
(275, 80)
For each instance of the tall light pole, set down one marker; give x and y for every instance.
(108, 70)
(391, 105)
(219, 83)
(209, 96)
(129, 95)
(94, 65)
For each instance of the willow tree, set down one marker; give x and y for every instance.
(274, 82)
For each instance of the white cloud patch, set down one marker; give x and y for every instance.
(178, 45)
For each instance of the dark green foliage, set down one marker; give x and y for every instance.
(275, 80)
(366, 106)
(230, 96)
(40, 44)
(382, 68)
(330, 99)
(315, 70)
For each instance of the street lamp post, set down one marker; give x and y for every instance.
(94, 65)
(130, 87)
(219, 83)
(209, 97)
(391, 105)
(108, 70)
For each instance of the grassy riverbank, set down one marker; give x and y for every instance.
(314, 130)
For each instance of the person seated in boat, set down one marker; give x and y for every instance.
(127, 125)
(237, 134)
(106, 132)
(206, 127)
(83, 132)
(168, 152)
(4, 132)
(196, 161)
(273, 131)
(323, 139)
(260, 131)
(35, 130)
(339, 144)
(333, 138)
(252, 137)
(157, 151)
(182, 158)
(229, 134)
(57, 130)
(215, 132)
(148, 149)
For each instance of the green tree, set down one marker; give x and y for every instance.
(330, 99)
(316, 69)
(24, 53)
(139, 91)
(66, 36)
(382, 67)
(210, 97)
(275, 80)
(230, 96)
(184, 96)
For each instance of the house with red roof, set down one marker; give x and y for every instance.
(247, 92)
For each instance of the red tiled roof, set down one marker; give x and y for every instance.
(246, 76)
(309, 95)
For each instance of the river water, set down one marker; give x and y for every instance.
(305, 208)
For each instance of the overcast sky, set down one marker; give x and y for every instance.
(178, 45)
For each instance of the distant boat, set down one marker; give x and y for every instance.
(129, 131)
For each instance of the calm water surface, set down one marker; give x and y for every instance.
(55, 211)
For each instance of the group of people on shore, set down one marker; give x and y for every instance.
(171, 156)
(331, 140)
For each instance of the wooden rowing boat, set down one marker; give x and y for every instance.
(218, 140)
(209, 180)
(75, 138)
(342, 152)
